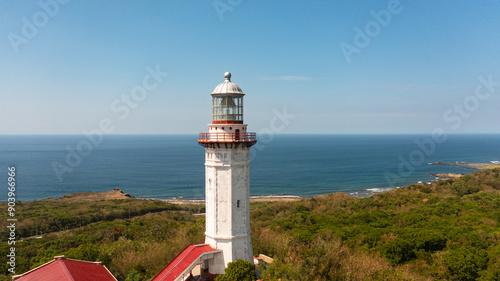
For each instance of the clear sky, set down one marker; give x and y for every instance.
(311, 66)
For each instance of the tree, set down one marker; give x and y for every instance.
(465, 263)
(238, 270)
(398, 251)
(84, 252)
(134, 275)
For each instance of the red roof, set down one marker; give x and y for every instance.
(186, 258)
(62, 269)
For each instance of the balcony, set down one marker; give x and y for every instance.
(227, 138)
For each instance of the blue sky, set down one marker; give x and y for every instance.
(422, 65)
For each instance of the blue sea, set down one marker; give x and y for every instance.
(168, 166)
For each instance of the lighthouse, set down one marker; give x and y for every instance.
(227, 177)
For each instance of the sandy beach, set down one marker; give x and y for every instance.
(283, 198)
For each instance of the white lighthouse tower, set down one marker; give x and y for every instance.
(227, 177)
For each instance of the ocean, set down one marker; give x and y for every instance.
(172, 166)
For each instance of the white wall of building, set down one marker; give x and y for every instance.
(228, 202)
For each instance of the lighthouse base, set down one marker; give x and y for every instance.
(233, 248)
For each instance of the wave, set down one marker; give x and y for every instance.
(378, 190)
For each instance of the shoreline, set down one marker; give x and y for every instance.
(476, 166)
(117, 194)
(264, 198)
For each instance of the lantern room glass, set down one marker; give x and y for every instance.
(227, 109)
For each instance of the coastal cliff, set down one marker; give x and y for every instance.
(116, 193)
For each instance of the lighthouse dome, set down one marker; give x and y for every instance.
(227, 87)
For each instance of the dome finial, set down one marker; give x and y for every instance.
(227, 75)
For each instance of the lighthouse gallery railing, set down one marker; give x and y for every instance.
(227, 137)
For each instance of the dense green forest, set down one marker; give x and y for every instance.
(134, 238)
(447, 230)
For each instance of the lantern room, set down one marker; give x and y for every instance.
(227, 117)
(227, 102)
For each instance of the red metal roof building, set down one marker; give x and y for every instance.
(182, 265)
(62, 269)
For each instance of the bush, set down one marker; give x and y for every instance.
(465, 263)
(399, 250)
(238, 270)
(134, 275)
(464, 188)
(428, 240)
(84, 252)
